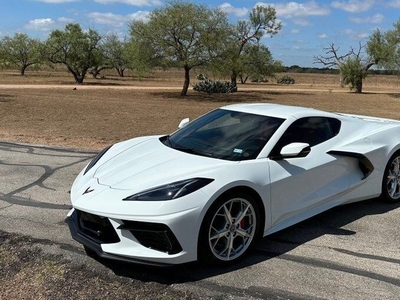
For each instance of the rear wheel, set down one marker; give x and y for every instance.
(391, 180)
(229, 228)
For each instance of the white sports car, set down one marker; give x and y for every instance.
(238, 173)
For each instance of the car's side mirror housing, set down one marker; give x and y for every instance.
(295, 150)
(183, 123)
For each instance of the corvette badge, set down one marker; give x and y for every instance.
(88, 190)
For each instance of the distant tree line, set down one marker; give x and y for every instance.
(180, 34)
(334, 71)
(298, 69)
(187, 36)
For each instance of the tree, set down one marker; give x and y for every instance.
(353, 66)
(262, 20)
(256, 62)
(100, 63)
(141, 57)
(354, 72)
(75, 48)
(115, 53)
(386, 46)
(183, 33)
(332, 59)
(21, 51)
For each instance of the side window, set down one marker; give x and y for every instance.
(311, 130)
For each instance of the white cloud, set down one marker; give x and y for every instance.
(354, 35)
(139, 15)
(353, 6)
(114, 20)
(375, 19)
(65, 20)
(131, 2)
(40, 24)
(295, 31)
(295, 47)
(57, 1)
(47, 24)
(394, 3)
(238, 12)
(302, 22)
(107, 19)
(322, 36)
(294, 9)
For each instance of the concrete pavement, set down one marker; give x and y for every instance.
(350, 252)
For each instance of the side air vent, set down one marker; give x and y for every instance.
(365, 164)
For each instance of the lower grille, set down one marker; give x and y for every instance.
(97, 228)
(154, 236)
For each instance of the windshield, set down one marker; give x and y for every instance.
(225, 134)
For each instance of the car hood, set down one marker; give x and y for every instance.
(150, 163)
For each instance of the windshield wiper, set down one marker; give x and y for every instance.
(167, 141)
(193, 151)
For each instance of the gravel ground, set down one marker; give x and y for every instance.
(28, 272)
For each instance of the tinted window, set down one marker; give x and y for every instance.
(225, 134)
(312, 130)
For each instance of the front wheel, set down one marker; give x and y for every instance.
(391, 180)
(229, 228)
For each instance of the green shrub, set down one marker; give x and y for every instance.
(260, 79)
(286, 80)
(206, 85)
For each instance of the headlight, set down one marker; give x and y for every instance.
(171, 191)
(96, 159)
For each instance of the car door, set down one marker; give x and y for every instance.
(303, 186)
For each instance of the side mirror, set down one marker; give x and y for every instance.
(295, 150)
(183, 123)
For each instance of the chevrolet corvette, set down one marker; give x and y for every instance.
(209, 190)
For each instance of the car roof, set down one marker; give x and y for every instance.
(278, 110)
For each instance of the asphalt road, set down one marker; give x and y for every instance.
(350, 252)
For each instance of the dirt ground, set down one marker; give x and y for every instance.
(48, 108)
(26, 272)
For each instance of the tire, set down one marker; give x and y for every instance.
(391, 180)
(229, 229)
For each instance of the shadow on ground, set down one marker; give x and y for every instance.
(278, 244)
(5, 98)
(241, 96)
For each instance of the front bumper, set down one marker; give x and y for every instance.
(127, 241)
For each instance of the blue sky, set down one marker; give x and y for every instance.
(308, 26)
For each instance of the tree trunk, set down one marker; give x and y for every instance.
(342, 81)
(77, 75)
(120, 71)
(95, 73)
(187, 81)
(234, 78)
(358, 86)
(23, 70)
(241, 79)
(78, 78)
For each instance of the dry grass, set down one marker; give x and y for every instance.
(44, 108)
